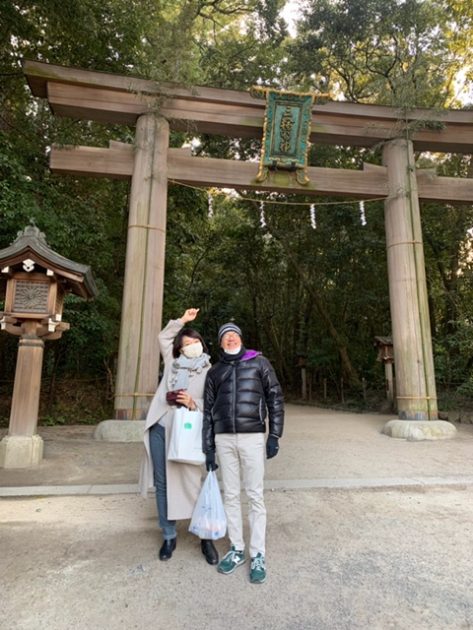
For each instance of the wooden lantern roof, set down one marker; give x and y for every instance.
(383, 341)
(30, 244)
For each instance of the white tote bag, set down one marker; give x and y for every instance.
(185, 443)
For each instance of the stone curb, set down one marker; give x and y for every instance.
(388, 483)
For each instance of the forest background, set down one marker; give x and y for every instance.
(303, 283)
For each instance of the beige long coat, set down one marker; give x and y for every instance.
(183, 480)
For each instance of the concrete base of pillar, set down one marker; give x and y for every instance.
(120, 430)
(415, 430)
(20, 451)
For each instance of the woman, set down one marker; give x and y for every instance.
(186, 364)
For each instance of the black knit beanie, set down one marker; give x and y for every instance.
(230, 327)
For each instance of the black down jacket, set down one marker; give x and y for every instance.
(238, 396)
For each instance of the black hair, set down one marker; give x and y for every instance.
(186, 332)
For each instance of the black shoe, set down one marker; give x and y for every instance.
(209, 551)
(168, 546)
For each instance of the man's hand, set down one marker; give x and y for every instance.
(272, 446)
(210, 462)
(189, 315)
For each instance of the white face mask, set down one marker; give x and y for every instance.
(193, 350)
(233, 350)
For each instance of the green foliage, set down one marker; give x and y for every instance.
(296, 291)
(403, 54)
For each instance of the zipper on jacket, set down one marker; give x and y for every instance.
(260, 405)
(234, 397)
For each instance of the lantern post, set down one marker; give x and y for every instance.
(36, 280)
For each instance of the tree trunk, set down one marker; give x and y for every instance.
(349, 373)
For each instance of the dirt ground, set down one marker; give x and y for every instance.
(319, 446)
(364, 532)
(337, 559)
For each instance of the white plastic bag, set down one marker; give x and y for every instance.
(185, 442)
(208, 518)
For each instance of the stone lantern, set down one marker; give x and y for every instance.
(386, 356)
(36, 279)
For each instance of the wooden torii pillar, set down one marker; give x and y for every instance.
(142, 304)
(415, 377)
(118, 99)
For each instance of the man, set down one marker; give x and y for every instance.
(239, 391)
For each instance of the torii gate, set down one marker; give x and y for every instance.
(150, 164)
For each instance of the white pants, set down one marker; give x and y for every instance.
(245, 452)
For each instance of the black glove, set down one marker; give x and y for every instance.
(272, 446)
(210, 462)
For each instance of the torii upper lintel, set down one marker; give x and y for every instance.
(120, 99)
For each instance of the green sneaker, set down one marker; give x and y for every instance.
(230, 561)
(257, 569)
